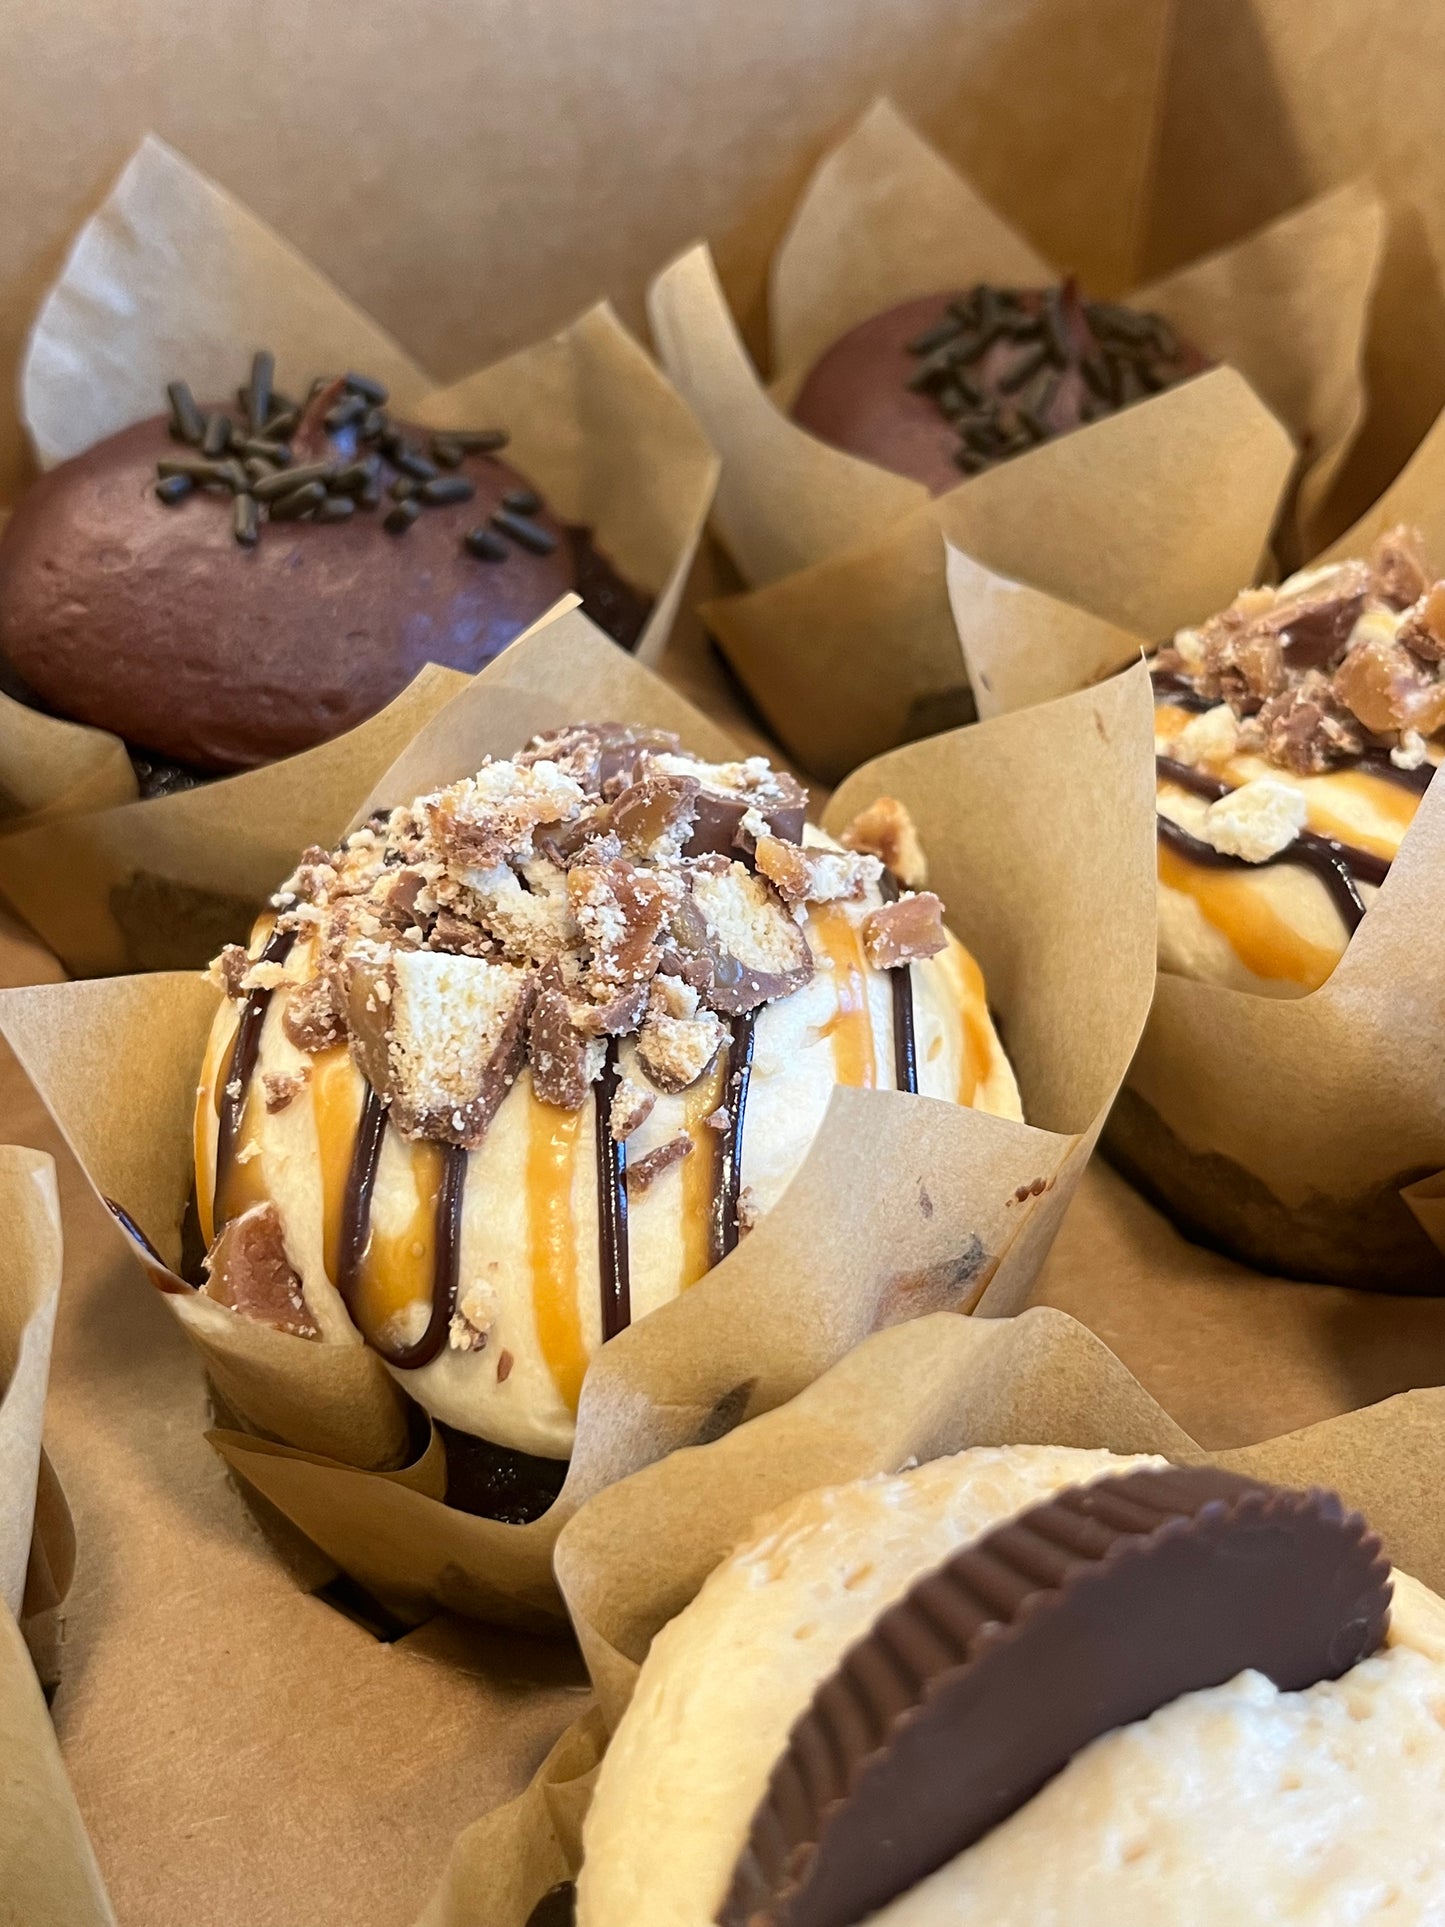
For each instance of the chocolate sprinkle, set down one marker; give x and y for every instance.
(486, 545)
(1085, 1614)
(1011, 368)
(187, 422)
(399, 519)
(356, 418)
(528, 535)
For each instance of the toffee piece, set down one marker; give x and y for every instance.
(945, 386)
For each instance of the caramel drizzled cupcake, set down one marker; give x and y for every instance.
(523, 1059)
(1296, 733)
(1037, 1687)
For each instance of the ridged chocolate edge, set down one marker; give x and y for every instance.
(989, 1602)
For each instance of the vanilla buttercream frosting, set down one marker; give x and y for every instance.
(521, 1060)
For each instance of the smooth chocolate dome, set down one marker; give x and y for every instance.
(155, 622)
(946, 385)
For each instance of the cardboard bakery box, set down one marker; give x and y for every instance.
(243, 1737)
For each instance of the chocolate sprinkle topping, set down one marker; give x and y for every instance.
(1010, 368)
(1085, 1614)
(268, 488)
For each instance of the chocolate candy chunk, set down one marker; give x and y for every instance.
(1087, 1613)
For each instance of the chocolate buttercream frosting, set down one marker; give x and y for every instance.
(1085, 1614)
(238, 582)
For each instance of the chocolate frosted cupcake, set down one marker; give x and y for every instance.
(523, 1059)
(1040, 1688)
(233, 583)
(1296, 733)
(947, 385)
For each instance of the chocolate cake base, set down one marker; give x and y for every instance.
(494, 1482)
(1371, 1241)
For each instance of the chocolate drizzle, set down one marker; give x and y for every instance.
(905, 1040)
(613, 1252)
(728, 1193)
(241, 1069)
(1341, 867)
(1085, 1614)
(446, 1242)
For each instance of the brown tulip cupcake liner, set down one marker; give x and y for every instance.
(1038, 837)
(635, 1555)
(1304, 1133)
(36, 1548)
(170, 286)
(830, 544)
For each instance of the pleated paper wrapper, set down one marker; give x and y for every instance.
(44, 1853)
(174, 277)
(842, 634)
(635, 1555)
(1040, 839)
(1306, 1134)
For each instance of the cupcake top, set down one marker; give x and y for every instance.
(525, 1057)
(1296, 732)
(1091, 1669)
(947, 385)
(229, 584)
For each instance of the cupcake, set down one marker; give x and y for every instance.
(1037, 1686)
(1296, 732)
(947, 385)
(524, 1058)
(235, 582)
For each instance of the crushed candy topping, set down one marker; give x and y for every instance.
(601, 883)
(1338, 661)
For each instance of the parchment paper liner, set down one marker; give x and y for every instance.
(1330, 1104)
(635, 1554)
(44, 1853)
(173, 275)
(1041, 843)
(850, 655)
(885, 218)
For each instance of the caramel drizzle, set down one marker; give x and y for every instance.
(1180, 694)
(728, 1192)
(613, 1242)
(613, 1251)
(242, 1069)
(356, 1235)
(905, 1039)
(1341, 867)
